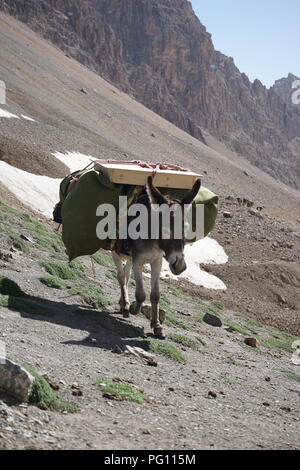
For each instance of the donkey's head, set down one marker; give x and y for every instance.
(171, 217)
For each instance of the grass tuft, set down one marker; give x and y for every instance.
(184, 341)
(43, 396)
(74, 271)
(292, 374)
(53, 281)
(122, 391)
(92, 295)
(167, 350)
(103, 259)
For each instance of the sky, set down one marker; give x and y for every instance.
(262, 36)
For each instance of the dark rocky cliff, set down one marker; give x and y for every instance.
(159, 52)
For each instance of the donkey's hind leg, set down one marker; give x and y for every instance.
(154, 297)
(123, 274)
(140, 294)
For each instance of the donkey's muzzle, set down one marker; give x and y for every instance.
(178, 265)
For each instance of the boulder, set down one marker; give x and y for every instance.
(15, 381)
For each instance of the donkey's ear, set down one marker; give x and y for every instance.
(190, 196)
(154, 195)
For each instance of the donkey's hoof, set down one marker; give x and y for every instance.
(158, 333)
(134, 309)
(125, 313)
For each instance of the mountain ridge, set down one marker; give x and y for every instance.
(160, 53)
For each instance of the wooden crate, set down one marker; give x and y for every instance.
(136, 175)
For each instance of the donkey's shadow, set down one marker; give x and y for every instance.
(104, 329)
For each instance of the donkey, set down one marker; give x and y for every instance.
(153, 251)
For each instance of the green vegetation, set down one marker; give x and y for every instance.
(233, 326)
(92, 295)
(43, 396)
(201, 341)
(236, 363)
(74, 271)
(183, 340)
(175, 291)
(218, 304)
(112, 275)
(9, 287)
(291, 374)
(19, 243)
(167, 350)
(212, 311)
(103, 259)
(122, 391)
(278, 340)
(53, 281)
(45, 239)
(230, 198)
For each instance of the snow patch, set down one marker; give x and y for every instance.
(7, 114)
(38, 192)
(27, 118)
(74, 160)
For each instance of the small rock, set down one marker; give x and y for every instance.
(26, 238)
(265, 403)
(185, 314)
(281, 299)
(146, 431)
(171, 389)
(212, 320)
(76, 390)
(256, 213)
(117, 350)
(108, 115)
(112, 396)
(152, 363)
(139, 352)
(268, 379)
(83, 90)
(153, 135)
(253, 342)
(287, 409)
(5, 255)
(227, 214)
(212, 394)
(92, 340)
(52, 384)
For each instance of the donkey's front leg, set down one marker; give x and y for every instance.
(154, 297)
(140, 294)
(123, 274)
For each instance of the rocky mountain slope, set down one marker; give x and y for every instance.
(159, 52)
(205, 388)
